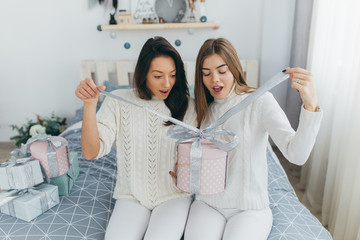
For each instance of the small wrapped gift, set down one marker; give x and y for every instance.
(52, 152)
(66, 181)
(30, 203)
(212, 172)
(20, 173)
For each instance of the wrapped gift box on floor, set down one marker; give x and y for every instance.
(32, 203)
(20, 173)
(212, 172)
(66, 181)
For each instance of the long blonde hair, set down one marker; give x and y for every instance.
(227, 52)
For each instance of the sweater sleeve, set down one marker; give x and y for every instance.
(106, 123)
(295, 146)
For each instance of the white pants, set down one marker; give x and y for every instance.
(206, 222)
(132, 221)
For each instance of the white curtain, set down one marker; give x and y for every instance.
(332, 174)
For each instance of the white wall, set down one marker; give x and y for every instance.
(42, 43)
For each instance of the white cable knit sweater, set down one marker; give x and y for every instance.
(145, 155)
(247, 186)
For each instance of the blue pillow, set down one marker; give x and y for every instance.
(110, 86)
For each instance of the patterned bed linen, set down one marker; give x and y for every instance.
(85, 213)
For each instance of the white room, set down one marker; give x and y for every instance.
(43, 53)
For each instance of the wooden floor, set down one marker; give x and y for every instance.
(5, 149)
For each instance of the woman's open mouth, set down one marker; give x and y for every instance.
(217, 90)
(164, 92)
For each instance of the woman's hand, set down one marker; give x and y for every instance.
(303, 82)
(87, 91)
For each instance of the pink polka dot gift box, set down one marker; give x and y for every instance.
(212, 171)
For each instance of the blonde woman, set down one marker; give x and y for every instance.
(242, 211)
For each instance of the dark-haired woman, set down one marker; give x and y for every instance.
(148, 204)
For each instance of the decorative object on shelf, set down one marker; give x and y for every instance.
(191, 11)
(127, 45)
(53, 126)
(112, 19)
(124, 17)
(124, 6)
(170, 10)
(178, 43)
(144, 9)
(113, 35)
(161, 20)
(202, 11)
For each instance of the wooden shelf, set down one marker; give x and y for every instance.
(119, 27)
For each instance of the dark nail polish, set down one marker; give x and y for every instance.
(284, 70)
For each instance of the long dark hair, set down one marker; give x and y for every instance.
(227, 52)
(177, 101)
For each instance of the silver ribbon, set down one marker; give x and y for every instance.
(185, 132)
(72, 165)
(51, 156)
(15, 161)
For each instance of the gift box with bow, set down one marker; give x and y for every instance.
(20, 173)
(212, 172)
(29, 203)
(52, 152)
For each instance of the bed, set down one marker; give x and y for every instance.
(84, 214)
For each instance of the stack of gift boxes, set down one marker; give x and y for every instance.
(42, 170)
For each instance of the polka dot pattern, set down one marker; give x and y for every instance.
(212, 174)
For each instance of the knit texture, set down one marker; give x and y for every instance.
(145, 155)
(247, 171)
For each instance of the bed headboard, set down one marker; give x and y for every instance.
(120, 72)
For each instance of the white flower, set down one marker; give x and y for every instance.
(37, 129)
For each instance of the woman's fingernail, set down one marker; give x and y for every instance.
(284, 70)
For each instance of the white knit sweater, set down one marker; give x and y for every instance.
(145, 155)
(247, 186)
